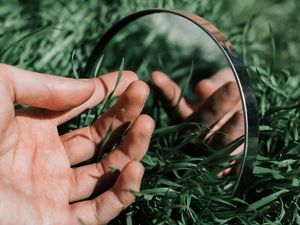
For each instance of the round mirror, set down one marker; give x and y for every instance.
(201, 99)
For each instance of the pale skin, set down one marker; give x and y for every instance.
(37, 183)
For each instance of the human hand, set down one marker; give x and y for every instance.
(37, 183)
(218, 107)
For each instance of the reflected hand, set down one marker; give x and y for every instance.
(219, 105)
(37, 183)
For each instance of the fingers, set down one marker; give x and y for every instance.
(204, 89)
(217, 126)
(217, 105)
(207, 87)
(81, 144)
(98, 177)
(108, 205)
(171, 92)
(230, 131)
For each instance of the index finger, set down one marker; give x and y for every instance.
(104, 85)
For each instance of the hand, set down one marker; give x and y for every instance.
(219, 105)
(37, 183)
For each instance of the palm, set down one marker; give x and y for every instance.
(40, 169)
(37, 181)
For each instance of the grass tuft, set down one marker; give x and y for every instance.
(57, 37)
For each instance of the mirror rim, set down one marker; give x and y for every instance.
(240, 74)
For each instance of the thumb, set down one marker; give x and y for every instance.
(43, 90)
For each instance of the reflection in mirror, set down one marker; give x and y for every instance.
(197, 147)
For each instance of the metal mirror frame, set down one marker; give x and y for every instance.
(240, 73)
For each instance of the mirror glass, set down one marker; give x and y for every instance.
(198, 143)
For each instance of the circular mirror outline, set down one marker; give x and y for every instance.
(240, 74)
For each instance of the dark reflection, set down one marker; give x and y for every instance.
(197, 146)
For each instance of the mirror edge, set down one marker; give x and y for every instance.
(240, 73)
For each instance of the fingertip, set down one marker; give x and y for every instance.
(203, 84)
(139, 89)
(136, 169)
(109, 204)
(168, 88)
(136, 142)
(148, 122)
(204, 89)
(129, 179)
(132, 76)
(159, 78)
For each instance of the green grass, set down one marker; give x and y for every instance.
(58, 36)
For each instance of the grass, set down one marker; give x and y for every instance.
(57, 37)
